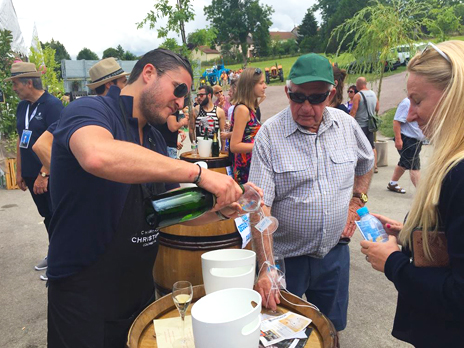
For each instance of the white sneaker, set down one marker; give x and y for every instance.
(42, 265)
(44, 277)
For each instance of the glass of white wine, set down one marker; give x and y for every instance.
(182, 293)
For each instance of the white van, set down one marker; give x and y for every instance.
(404, 52)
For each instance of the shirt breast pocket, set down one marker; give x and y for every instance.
(291, 175)
(343, 166)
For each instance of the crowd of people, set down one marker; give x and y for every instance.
(89, 166)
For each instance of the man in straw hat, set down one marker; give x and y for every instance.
(314, 165)
(35, 113)
(104, 74)
(102, 252)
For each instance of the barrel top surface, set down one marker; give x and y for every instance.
(188, 156)
(142, 332)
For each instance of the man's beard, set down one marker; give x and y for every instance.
(149, 106)
(205, 101)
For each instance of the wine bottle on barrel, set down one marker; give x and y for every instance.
(178, 206)
(215, 146)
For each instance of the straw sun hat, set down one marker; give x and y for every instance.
(23, 69)
(105, 71)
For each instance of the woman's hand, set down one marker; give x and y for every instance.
(377, 253)
(392, 227)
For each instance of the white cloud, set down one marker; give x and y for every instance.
(98, 25)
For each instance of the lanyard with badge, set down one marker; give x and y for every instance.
(26, 136)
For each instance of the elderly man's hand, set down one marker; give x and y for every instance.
(350, 226)
(270, 297)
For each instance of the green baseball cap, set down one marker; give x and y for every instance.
(311, 68)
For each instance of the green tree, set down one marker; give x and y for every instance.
(308, 27)
(236, 20)
(177, 16)
(202, 37)
(111, 52)
(120, 51)
(50, 78)
(334, 13)
(290, 47)
(171, 44)
(459, 12)
(376, 31)
(8, 109)
(60, 51)
(129, 56)
(86, 53)
(445, 23)
(262, 42)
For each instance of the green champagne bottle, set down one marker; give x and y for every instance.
(178, 206)
(215, 146)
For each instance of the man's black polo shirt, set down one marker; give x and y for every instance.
(48, 111)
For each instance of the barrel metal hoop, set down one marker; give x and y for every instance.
(200, 243)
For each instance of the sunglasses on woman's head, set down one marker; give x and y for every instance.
(313, 99)
(258, 71)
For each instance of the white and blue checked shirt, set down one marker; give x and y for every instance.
(308, 178)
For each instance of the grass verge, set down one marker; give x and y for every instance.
(386, 128)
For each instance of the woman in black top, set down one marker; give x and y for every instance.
(430, 310)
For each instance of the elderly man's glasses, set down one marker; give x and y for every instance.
(218, 92)
(313, 99)
(181, 89)
(440, 52)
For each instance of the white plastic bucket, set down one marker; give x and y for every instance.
(204, 147)
(227, 319)
(228, 268)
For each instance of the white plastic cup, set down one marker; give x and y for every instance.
(228, 268)
(227, 319)
(204, 147)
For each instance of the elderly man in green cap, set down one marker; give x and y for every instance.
(314, 165)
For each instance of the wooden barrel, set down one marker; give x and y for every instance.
(142, 332)
(181, 247)
(219, 164)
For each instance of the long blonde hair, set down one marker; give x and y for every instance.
(446, 127)
(245, 93)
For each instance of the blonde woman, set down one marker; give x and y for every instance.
(245, 124)
(430, 310)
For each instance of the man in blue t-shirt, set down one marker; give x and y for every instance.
(408, 142)
(102, 250)
(35, 113)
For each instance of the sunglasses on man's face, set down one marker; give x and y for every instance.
(218, 92)
(350, 91)
(313, 99)
(181, 89)
(201, 94)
